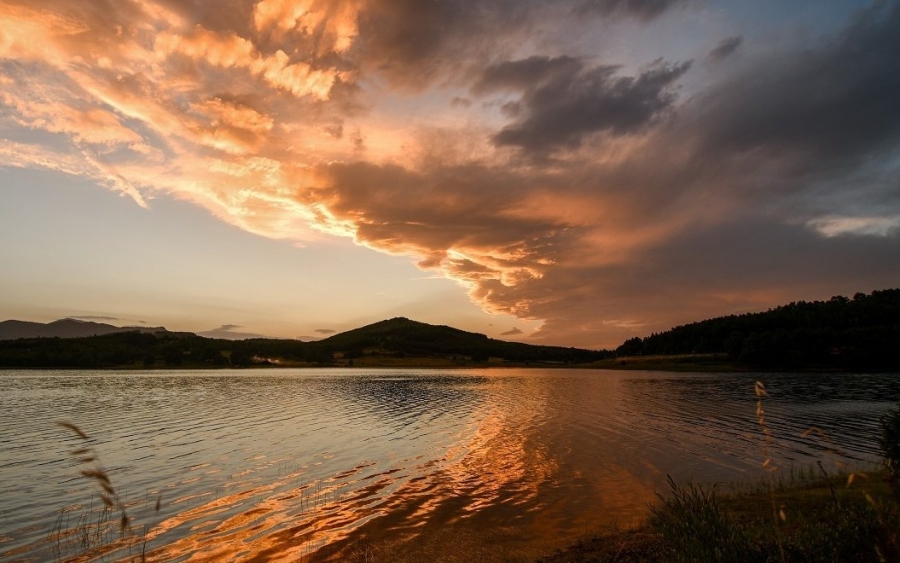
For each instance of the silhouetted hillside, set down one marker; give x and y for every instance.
(858, 333)
(402, 330)
(63, 328)
(861, 333)
(403, 336)
(396, 338)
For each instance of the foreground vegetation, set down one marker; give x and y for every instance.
(797, 520)
(803, 517)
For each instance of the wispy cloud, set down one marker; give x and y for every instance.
(833, 226)
(228, 332)
(726, 48)
(511, 332)
(94, 318)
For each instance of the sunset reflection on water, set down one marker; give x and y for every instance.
(413, 464)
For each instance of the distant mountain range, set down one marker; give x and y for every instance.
(65, 328)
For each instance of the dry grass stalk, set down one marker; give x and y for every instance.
(109, 496)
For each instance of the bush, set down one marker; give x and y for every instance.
(889, 441)
(694, 528)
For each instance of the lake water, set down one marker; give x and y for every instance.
(412, 465)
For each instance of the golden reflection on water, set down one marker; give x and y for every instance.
(493, 468)
(499, 485)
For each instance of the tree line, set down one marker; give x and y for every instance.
(862, 332)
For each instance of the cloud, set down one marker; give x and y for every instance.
(836, 101)
(414, 44)
(231, 51)
(708, 271)
(511, 332)
(325, 331)
(228, 332)
(94, 318)
(563, 102)
(641, 9)
(524, 74)
(582, 191)
(726, 48)
(832, 226)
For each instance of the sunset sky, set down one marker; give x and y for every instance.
(571, 172)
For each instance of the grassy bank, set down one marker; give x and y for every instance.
(846, 517)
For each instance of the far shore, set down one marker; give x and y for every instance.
(687, 363)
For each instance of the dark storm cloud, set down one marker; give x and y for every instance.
(416, 43)
(709, 271)
(526, 74)
(835, 104)
(562, 101)
(726, 47)
(511, 332)
(325, 331)
(642, 9)
(743, 254)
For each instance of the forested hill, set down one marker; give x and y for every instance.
(407, 337)
(862, 332)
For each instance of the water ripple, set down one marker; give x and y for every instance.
(300, 464)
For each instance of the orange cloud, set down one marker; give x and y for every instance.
(232, 51)
(336, 23)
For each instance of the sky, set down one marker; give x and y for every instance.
(568, 172)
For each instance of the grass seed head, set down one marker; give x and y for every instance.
(74, 429)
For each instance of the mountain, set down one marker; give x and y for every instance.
(64, 328)
(405, 337)
(403, 332)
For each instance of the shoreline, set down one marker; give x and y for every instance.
(688, 363)
(853, 513)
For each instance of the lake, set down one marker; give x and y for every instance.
(414, 464)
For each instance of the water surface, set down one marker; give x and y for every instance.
(447, 465)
